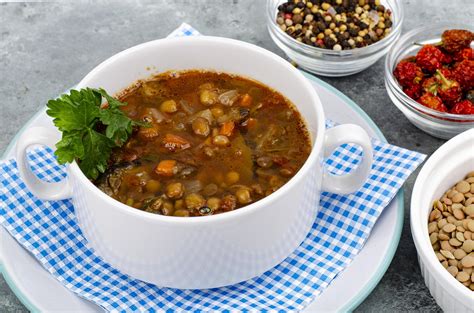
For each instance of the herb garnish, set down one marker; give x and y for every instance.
(89, 130)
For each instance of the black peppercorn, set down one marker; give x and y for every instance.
(312, 22)
(329, 42)
(321, 26)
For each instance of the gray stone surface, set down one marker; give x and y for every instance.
(47, 47)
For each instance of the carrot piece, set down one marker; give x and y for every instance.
(251, 123)
(175, 142)
(166, 168)
(246, 100)
(227, 128)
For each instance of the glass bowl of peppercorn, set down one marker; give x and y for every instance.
(429, 76)
(334, 37)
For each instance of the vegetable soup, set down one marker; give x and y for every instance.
(214, 143)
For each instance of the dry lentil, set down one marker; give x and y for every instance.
(451, 227)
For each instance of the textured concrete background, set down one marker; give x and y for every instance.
(47, 47)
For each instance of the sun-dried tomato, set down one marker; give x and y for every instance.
(464, 54)
(463, 107)
(430, 58)
(430, 85)
(433, 102)
(448, 90)
(408, 73)
(464, 74)
(414, 91)
(454, 40)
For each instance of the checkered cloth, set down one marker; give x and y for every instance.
(48, 230)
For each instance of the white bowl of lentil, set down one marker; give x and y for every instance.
(332, 63)
(214, 250)
(447, 166)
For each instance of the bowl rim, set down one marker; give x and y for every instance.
(420, 234)
(379, 45)
(390, 63)
(303, 172)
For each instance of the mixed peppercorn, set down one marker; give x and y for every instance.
(441, 76)
(335, 24)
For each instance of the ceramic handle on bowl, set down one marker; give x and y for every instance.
(41, 189)
(336, 136)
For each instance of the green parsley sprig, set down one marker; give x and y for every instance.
(82, 120)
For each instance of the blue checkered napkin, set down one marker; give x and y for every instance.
(48, 229)
(184, 30)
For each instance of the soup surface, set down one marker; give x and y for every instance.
(217, 142)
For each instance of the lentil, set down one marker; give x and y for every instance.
(450, 228)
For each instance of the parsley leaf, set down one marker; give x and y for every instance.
(75, 111)
(119, 126)
(97, 149)
(78, 116)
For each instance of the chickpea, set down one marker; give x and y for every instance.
(232, 177)
(169, 106)
(194, 201)
(153, 185)
(179, 204)
(214, 203)
(217, 112)
(175, 190)
(201, 126)
(243, 196)
(221, 141)
(208, 97)
(168, 208)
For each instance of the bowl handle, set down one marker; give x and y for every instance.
(336, 136)
(41, 189)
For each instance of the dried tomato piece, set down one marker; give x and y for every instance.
(430, 58)
(463, 107)
(430, 85)
(408, 73)
(448, 90)
(433, 102)
(414, 91)
(464, 74)
(464, 54)
(454, 40)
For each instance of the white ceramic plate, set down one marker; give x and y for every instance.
(40, 292)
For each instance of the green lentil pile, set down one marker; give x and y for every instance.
(335, 24)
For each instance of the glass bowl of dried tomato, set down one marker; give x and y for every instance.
(429, 76)
(334, 37)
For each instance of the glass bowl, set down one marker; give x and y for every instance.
(439, 124)
(328, 62)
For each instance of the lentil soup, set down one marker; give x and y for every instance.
(216, 142)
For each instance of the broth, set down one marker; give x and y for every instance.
(216, 143)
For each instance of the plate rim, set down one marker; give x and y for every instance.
(356, 300)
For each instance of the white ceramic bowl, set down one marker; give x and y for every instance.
(211, 251)
(448, 165)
